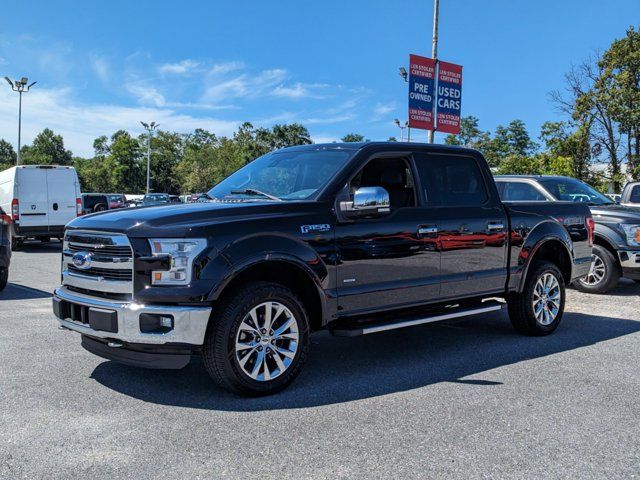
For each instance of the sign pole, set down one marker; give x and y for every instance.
(434, 52)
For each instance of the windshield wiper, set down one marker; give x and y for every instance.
(253, 191)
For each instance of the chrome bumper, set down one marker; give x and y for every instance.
(629, 259)
(189, 323)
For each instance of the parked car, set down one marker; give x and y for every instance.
(174, 199)
(41, 200)
(155, 199)
(616, 197)
(354, 238)
(616, 252)
(116, 200)
(5, 248)
(631, 195)
(94, 202)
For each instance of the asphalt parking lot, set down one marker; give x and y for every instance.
(463, 399)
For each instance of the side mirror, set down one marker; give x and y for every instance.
(368, 202)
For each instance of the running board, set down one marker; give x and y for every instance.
(491, 306)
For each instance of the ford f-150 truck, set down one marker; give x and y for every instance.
(616, 250)
(352, 238)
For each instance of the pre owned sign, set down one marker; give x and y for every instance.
(423, 95)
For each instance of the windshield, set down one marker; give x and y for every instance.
(573, 190)
(283, 175)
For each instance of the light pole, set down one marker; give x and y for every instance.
(21, 87)
(434, 49)
(405, 76)
(402, 127)
(149, 127)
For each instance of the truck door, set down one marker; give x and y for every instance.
(32, 197)
(471, 223)
(62, 186)
(390, 261)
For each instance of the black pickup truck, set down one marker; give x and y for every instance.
(616, 250)
(5, 248)
(352, 238)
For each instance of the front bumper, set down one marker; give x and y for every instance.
(120, 321)
(630, 263)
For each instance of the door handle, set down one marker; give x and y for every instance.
(427, 230)
(495, 226)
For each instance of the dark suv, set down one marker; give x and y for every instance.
(616, 252)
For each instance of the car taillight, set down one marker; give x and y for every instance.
(591, 229)
(78, 207)
(15, 210)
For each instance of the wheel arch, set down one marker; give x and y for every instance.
(285, 270)
(551, 248)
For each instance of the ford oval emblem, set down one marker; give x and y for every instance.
(82, 260)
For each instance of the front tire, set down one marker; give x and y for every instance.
(538, 309)
(258, 341)
(603, 275)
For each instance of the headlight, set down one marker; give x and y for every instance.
(182, 253)
(633, 234)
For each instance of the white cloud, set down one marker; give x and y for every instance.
(146, 95)
(245, 85)
(179, 68)
(300, 90)
(100, 67)
(220, 68)
(382, 109)
(80, 124)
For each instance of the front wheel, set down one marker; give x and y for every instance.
(259, 339)
(603, 274)
(538, 309)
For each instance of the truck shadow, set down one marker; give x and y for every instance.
(348, 369)
(13, 291)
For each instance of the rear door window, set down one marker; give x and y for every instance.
(451, 180)
(520, 191)
(634, 197)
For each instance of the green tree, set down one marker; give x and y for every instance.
(520, 165)
(125, 164)
(47, 149)
(8, 155)
(166, 151)
(352, 137)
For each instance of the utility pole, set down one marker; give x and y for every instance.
(434, 52)
(21, 87)
(149, 127)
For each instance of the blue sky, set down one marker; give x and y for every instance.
(331, 65)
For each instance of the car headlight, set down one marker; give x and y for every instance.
(633, 234)
(182, 253)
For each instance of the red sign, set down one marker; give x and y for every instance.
(449, 97)
(422, 74)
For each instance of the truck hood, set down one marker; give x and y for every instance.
(616, 213)
(183, 220)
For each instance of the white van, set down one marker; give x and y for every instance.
(40, 199)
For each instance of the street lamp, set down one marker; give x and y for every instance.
(402, 127)
(149, 127)
(21, 87)
(404, 74)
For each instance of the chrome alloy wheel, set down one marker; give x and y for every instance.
(267, 341)
(596, 272)
(546, 299)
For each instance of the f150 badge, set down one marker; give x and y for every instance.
(321, 227)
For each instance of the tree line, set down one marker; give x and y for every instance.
(600, 102)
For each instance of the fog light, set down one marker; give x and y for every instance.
(152, 323)
(166, 322)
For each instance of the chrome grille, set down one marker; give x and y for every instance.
(109, 266)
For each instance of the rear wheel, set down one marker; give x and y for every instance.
(538, 309)
(258, 342)
(4, 277)
(16, 243)
(603, 275)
